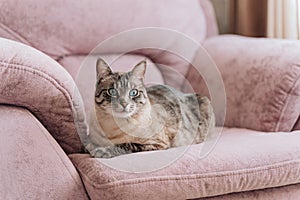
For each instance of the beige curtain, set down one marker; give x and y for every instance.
(248, 17)
(284, 19)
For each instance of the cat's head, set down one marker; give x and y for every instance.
(121, 94)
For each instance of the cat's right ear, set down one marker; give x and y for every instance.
(102, 68)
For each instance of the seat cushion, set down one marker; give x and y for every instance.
(289, 192)
(242, 160)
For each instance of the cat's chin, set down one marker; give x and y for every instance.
(122, 115)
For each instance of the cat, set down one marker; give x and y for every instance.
(136, 118)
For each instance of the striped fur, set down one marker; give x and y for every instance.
(135, 118)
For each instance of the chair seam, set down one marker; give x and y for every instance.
(295, 84)
(192, 176)
(15, 34)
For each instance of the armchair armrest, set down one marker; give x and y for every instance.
(32, 164)
(262, 81)
(33, 80)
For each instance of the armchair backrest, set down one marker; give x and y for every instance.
(70, 28)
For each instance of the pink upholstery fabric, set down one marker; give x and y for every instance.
(75, 27)
(33, 80)
(242, 160)
(290, 192)
(33, 166)
(261, 78)
(76, 65)
(297, 126)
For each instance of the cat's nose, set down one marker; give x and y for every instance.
(123, 103)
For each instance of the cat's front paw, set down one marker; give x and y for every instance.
(102, 152)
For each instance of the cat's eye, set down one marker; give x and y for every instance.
(112, 92)
(133, 92)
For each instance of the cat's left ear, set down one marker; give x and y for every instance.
(140, 69)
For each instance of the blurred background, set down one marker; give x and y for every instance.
(259, 18)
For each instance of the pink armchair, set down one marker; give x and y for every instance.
(44, 43)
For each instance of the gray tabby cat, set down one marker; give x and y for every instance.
(137, 118)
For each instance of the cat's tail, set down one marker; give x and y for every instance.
(207, 117)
